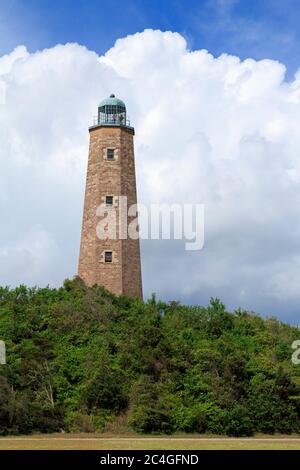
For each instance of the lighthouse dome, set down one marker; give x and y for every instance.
(112, 101)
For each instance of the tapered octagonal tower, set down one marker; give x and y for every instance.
(113, 262)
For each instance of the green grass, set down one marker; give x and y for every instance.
(134, 442)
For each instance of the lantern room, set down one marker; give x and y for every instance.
(112, 112)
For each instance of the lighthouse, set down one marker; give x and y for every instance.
(113, 262)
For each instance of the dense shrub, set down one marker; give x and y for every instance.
(82, 360)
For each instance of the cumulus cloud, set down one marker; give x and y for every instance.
(217, 131)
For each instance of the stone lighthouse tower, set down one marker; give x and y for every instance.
(113, 261)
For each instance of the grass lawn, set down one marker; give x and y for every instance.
(134, 442)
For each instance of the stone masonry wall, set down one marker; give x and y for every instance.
(110, 178)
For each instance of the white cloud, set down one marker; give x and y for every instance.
(209, 130)
(27, 258)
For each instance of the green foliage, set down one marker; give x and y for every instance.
(151, 407)
(237, 421)
(83, 360)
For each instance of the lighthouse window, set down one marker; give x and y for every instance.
(108, 257)
(109, 200)
(110, 154)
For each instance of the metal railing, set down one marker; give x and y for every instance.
(109, 120)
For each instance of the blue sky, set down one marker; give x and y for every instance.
(247, 28)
